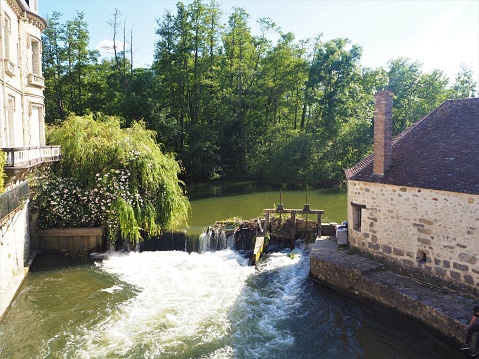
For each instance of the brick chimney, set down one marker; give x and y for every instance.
(383, 106)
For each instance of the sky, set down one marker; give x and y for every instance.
(440, 34)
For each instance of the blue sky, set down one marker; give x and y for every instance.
(438, 33)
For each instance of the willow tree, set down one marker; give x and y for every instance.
(111, 176)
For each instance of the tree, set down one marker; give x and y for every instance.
(415, 93)
(114, 177)
(333, 75)
(67, 64)
(464, 84)
(53, 63)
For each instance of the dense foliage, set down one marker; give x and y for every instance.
(113, 177)
(230, 103)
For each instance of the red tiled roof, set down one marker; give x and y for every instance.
(441, 151)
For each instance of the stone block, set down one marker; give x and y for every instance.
(460, 267)
(468, 279)
(455, 275)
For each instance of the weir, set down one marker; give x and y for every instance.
(256, 235)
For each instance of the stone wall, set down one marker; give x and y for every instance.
(433, 232)
(14, 254)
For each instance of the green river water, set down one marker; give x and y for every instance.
(247, 200)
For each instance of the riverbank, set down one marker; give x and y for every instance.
(445, 310)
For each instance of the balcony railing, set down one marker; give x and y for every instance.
(36, 80)
(25, 157)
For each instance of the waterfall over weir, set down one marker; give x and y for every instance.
(215, 239)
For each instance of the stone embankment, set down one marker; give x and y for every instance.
(443, 309)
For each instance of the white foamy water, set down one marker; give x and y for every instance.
(210, 305)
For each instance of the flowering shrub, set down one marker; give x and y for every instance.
(62, 203)
(112, 177)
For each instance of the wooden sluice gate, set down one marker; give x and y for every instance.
(267, 230)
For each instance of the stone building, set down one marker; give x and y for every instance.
(22, 134)
(415, 201)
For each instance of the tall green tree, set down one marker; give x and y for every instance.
(415, 93)
(333, 75)
(67, 64)
(464, 84)
(53, 63)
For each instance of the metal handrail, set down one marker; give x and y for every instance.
(13, 199)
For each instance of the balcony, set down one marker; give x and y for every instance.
(36, 80)
(21, 158)
(9, 67)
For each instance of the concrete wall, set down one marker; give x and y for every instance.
(434, 232)
(14, 254)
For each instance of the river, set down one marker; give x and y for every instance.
(201, 305)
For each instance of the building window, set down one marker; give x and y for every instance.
(7, 29)
(36, 56)
(11, 139)
(357, 215)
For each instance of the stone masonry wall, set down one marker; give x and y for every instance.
(434, 232)
(14, 254)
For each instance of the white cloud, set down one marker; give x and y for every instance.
(106, 46)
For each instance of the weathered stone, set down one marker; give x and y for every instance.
(446, 264)
(398, 252)
(374, 239)
(455, 275)
(423, 230)
(468, 279)
(424, 241)
(440, 272)
(373, 246)
(426, 221)
(460, 267)
(387, 250)
(464, 257)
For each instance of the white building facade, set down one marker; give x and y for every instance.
(22, 135)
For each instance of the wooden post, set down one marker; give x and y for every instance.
(293, 228)
(318, 231)
(266, 222)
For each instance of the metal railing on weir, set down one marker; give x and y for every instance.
(13, 199)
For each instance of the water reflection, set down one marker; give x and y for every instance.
(246, 200)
